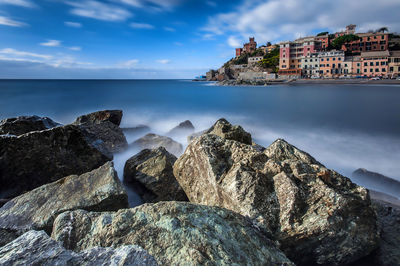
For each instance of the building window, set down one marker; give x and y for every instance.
(371, 70)
(358, 64)
(327, 59)
(376, 69)
(327, 65)
(377, 63)
(383, 69)
(322, 59)
(358, 71)
(365, 64)
(371, 63)
(391, 69)
(345, 65)
(334, 59)
(365, 70)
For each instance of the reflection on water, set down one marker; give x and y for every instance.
(345, 127)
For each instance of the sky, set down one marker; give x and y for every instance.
(159, 39)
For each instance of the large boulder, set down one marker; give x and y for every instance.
(318, 216)
(112, 116)
(37, 248)
(104, 126)
(174, 233)
(226, 130)
(98, 190)
(40, 157)
(153, 141)
(185, 127)
(24, 124)
(150, 173)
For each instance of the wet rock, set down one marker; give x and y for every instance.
(377, 182)
(102, 129)
(112, 116)
(150, 173)
(185, 127)
(174, 233)
(318, 216)
(40, 157)
(37, 248)
(224, 129)
(98, 190)
(153, 141)
(24, 124)
(388, 253)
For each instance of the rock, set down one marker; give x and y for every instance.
(377, 182)
(258, 147)
(318, 216)
(3, 201)
(104, 126)
(24, 124)
(195, 135)
(185, 127)
(40, 157)
(150, 173)
(383, 197)
(388, 253)
(37, 248)
(224, 129)
(153, 141)
(113, 116)
(98, 190)
(174, 233)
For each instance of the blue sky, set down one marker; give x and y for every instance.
(160, 38)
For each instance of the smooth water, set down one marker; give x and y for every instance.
(344, 126)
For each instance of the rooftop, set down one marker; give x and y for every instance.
(375, 54)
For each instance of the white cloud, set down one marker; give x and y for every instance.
(169, 29)
(163, 61)
(129, 63)
(10, 22)
(73, 24)
(98, 10)
(276, 20)
(233, 42)
(23, 3)
(75, 48)
(13, 52)
(145, 26)
(211, 3)
(152, 5)
(51, 43)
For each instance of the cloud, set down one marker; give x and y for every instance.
(144, 26)
(276, 20)
(51, 43)
(98, 10)
(152, 5)
(75, 48)
(10, 22)
(169, 29)
(23, 3)
(163, 61)
(13, 52)
(129, 64)
(211, 3)
(73, 24)
(233, 42)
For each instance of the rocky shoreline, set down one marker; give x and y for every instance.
(224, 201)
(236, 82)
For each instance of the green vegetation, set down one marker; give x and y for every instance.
(339, 41)
(241, 60)
(257, 52)
(271, 60)
(383, 29)
(323, 33)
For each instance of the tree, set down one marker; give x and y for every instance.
(322, 33)
(383, 29)
(269, 43)
(271, 60)
(339, 41)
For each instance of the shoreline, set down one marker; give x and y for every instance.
(307, 82)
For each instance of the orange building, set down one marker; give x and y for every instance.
(375, 64)
(331, 64)
(394, 64)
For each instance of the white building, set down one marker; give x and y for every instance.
(255, 59)
(310, 65)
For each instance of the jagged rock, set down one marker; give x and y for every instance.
(113, 116)
(225, 130)
(37, 248)
(318, 216)
(258, 147)
(377, 182)
(98, 190)
(24, 124)
(40, 157)
(153, 141)
(104, 126)
(150, 173)
(185, 127)
(174, 233)
(195, 135)
(388, 253)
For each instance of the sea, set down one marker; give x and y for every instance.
(345, 127)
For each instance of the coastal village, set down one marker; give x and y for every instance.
(341, 55)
